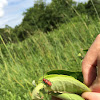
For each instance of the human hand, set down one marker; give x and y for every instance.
(91, 74)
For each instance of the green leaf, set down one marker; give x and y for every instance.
(36, 92)
(68, 96)
(61, 84)
(77, 75)
(85, 50)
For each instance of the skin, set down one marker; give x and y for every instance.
(91, 71)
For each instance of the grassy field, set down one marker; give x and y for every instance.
(28, 60)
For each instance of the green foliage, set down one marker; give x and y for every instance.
(22, 62)
(68, 96)
(81, 8)
(62, 7)
(47, 17)
(77, 75)
(28, 51)
(93, 8)
(6, 34)
(39, 17)
(44, 17)
(60, 84)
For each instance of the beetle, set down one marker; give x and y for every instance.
(47, 82)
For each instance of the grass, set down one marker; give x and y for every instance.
(28, 60)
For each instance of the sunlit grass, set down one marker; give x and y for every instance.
(28, 60)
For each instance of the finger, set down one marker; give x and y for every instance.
(95, 87)
(98, 66)
(91, 96)
(90, 61)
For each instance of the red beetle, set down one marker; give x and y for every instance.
(47, 82)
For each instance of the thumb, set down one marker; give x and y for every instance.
(91, 96)
(95, 87)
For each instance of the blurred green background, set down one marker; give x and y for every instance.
(51, 36)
